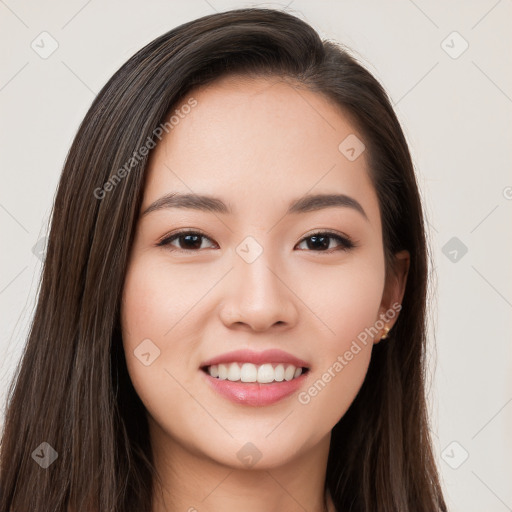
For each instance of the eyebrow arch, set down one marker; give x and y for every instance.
(206, 203)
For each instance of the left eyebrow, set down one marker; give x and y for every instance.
(315, 202)
(206, 203)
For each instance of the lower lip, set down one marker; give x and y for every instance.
(254, 393)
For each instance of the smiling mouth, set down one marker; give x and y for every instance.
(267, 373)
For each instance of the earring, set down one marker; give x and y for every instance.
(386, 331)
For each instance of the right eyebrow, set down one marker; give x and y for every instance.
(193, 201)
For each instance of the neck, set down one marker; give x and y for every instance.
(191, 481)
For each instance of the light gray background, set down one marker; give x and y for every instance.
(456, 113)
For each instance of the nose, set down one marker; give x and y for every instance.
(258, 296)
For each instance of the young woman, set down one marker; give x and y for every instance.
(232, 308)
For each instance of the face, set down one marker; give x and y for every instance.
(251, 272)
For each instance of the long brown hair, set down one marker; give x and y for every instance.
(72, 389)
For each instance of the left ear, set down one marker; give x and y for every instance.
(394, 289)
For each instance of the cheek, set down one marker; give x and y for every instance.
(161, 301)
(335, 386)
(157, 312)
(347, 301)
(344, 300)
(345, 356)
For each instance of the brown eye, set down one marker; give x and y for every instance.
(187, 241)
(321, 242)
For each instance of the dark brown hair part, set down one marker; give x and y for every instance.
(72, 389)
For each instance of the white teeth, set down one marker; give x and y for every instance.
(248, 372)
(289, 372)
(223, 371)
(265, 373)
(234, 372)
(279, 372)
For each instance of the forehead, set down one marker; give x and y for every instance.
(259, 141)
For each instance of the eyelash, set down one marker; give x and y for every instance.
(346, 244)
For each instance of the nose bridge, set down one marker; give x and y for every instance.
(257, 293)
(255, 259)
(253, 266)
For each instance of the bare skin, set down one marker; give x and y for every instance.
(257, 144)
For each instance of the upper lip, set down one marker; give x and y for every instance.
(249, 356)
